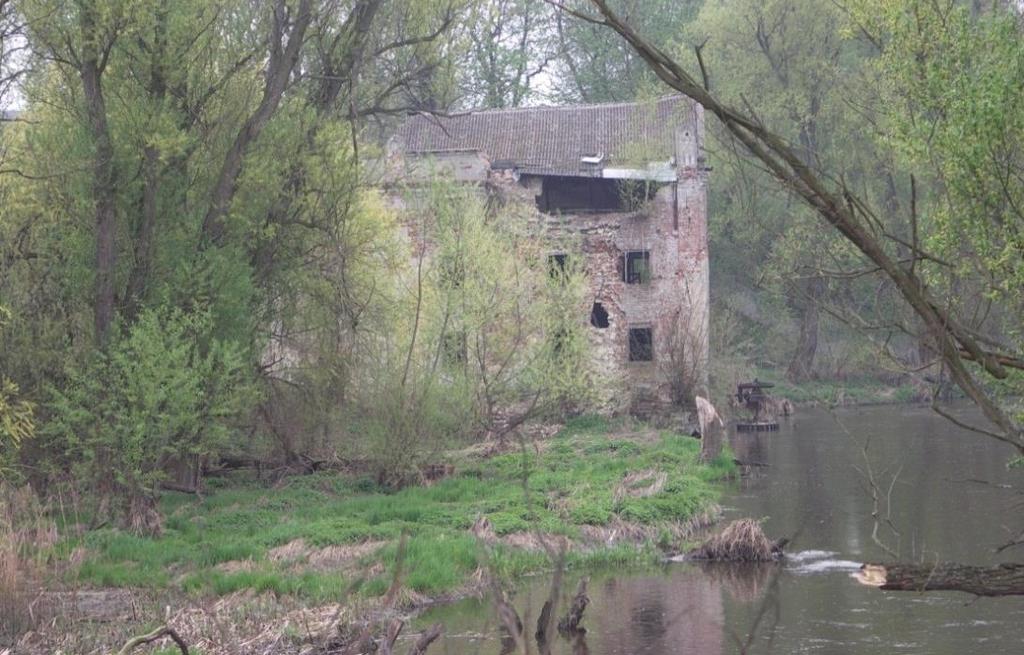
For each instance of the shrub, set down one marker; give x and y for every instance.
(166, 392)
(16, 424)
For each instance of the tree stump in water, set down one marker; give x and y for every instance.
(1001, 580)
(570, 623)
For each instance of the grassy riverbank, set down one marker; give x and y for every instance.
(322, 537)
(862, 390)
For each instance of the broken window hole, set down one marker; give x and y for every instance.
(599, 316)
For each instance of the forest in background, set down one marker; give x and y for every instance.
(188, 186)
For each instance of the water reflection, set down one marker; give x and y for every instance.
(811, 488)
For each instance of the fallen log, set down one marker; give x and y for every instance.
(1001, 580)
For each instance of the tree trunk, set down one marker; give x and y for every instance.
(285, 48)
(143, 518)
(1001, 580)
(801, 366)
(103, 187)
(145, 233)
(711, 442)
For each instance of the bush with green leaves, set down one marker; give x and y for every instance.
(479, 333)
(164, 393)
(17, 420)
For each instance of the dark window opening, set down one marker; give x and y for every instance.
(593, 194)
(641, 345)
(637, 268)
(599, 316)
(556, 265)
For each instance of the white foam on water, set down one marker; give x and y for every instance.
(804, 555)
(827, 565)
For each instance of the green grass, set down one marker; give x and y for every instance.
(570, 484)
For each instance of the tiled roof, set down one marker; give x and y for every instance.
(551, 140)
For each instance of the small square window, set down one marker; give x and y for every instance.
(637, 268)
(641, 344)
(556, 265)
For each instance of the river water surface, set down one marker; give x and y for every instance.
(814, 487)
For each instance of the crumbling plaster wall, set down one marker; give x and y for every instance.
(672, 226)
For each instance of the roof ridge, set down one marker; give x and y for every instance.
(592, 105)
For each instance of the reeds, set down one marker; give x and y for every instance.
(740, 541)
(26, 534)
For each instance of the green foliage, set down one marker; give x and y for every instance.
(17, 417)
(474, 325)
(16, 422)
(167, 391)
(957, 73)
(596, 65)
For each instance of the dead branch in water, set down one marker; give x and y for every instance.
(159, 633)
(427, 638)
(387, 646)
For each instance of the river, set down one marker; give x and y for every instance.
(949, 501)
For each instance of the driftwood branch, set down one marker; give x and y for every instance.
(159, 633)
(387, 646)
(1001, 580)
(427, 638)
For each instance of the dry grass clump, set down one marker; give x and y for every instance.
(640, 484)
(740, 541)
(25, 536)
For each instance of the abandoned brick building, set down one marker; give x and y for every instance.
(628, 179)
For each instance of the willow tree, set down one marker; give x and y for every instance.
(184, 176)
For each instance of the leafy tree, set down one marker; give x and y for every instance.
(479, 335)
(790, 55)
(593, 65)
(197, 162)
(167, 392)
(955, 74)
(508, 45)
(17, 422)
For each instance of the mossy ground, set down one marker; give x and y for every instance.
(224, 542)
